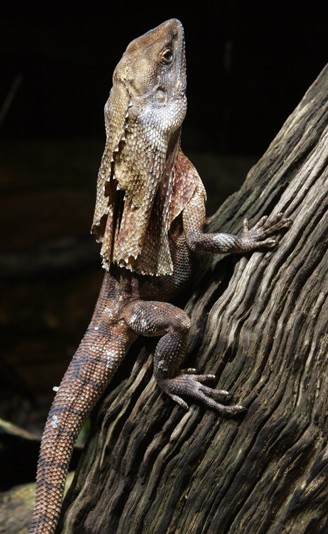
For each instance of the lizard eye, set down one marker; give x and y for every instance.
(167, 56)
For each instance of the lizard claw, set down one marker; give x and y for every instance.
(259, 235)
(192, 385)
(268, 243)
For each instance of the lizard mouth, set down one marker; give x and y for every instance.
(178, 32)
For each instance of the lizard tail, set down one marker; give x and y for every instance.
(91, 369)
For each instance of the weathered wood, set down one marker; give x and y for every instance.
(259, 323)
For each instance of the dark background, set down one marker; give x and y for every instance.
(249, 63)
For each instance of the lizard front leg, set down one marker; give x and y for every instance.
(260, 236)
(152, 318)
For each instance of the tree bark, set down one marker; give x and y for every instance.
(259, 324)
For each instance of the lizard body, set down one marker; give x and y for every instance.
(149, 217)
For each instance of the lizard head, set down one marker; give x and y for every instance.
(153, 69)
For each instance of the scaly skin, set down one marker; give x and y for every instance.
(148, 236)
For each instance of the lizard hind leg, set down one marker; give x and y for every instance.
(152, 318)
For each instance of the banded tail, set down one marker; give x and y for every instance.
(102, 349)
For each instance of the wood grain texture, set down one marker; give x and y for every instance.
(259, 322)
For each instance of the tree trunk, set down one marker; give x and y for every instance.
(258, 323)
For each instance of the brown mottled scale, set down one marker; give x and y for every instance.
(149, 217)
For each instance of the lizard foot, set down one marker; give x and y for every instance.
(259, 235)
(190, 384)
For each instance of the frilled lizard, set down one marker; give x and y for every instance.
(149, 218)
